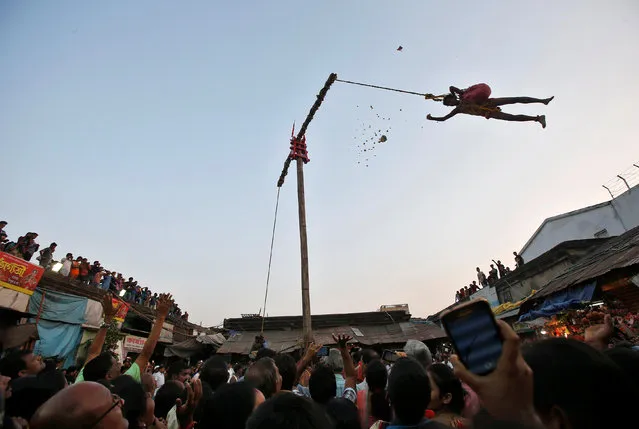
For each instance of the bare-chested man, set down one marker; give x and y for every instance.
(476, 101)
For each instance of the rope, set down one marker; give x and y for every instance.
(270, 258)
(427, 96)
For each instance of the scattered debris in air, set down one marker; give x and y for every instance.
(383, 139)
(400, 49)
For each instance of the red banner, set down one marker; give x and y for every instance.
(18, 274)
(121, 309)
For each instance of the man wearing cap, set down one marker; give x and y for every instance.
(158, 375)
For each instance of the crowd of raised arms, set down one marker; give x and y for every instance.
(497, 271)
(549, 383)
(80, 270)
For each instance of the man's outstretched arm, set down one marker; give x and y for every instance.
(455, 90)
(164, 304)
(444, 118)
(98, 342)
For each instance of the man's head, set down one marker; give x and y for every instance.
(167, 395)
(287, 367)
(103, 367)
(478, 270)
(82, 405)
(3, 224)
(419, 351)
(53, 246)
(21, 363)
(334, 361)
(69, 256)
(322, 384)
(265, 376)
(230, 406)
(573, 383)
(515, 253)
(288, 410)
(408, 391)
(179, 371)
(450, 100)
(214, 372)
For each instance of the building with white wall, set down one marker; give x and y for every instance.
(607, 219)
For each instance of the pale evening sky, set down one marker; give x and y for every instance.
(149, 135)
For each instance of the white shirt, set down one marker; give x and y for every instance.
(159, 379)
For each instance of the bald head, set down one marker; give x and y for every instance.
(80, 406)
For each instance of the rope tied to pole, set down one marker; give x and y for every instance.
(270, 259)
(427, 96)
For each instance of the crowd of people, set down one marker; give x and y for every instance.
(81, 270)
(497, 271)
(549, 383)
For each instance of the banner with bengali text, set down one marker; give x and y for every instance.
(18, 274)
(121, 309)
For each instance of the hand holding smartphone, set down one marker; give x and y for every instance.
(474, 333)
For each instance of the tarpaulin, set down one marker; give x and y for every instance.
(59, 307)
(562, 300)
(58, 339)
(59, 324)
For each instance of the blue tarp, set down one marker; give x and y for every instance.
(60, 324)
(560, 301)
(58, 339)
(59, 307)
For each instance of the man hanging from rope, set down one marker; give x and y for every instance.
(476, 101)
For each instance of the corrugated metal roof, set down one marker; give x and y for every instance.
(620, 252)
(287, 341)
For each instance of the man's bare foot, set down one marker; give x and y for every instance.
(548, 100)
(542, 120)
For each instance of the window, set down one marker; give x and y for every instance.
(602, 233)
(506, 296)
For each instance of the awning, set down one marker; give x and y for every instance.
(194, 345)
(560, 301)
(15, 336)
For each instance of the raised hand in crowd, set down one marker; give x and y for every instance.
(349, 366)
(307, 359)
(165, 302)
(108, 308)
(185, 410)
(507, 392)
(598, 336)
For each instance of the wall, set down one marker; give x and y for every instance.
(521, 288)
(621, 215)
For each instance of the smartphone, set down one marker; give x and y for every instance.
(390, 356)
(322, 352)
(474, 333)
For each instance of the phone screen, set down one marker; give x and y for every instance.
(322, 352)
(389, 356)
(476, 337)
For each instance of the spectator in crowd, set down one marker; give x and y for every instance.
(95, 274)
(179, 371)
(264, 376)
(46, 255)
(458, 296)
(501, 269)
(75, 268)
(26, 246)
(3, 224)
(84, 405)
(447, 397)
(158, 375)
(287, 368)
(481, 278)
(106, 281)
(85, 269)
(367, 356)
(372, 402)
(419, 351)
(492, 275)
(335, 362)
(519, 261)
(66, 262)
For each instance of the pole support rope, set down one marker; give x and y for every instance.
(270, 258)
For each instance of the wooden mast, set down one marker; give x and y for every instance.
(300, 154)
